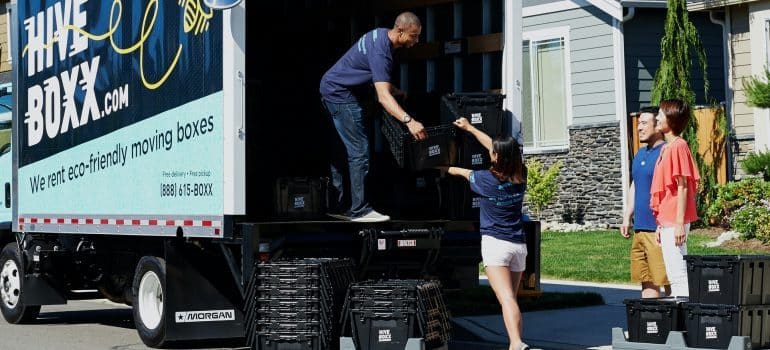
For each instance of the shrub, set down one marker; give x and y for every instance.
(733, 195)
(763, 228)
(542, 185)
(746, 219)
(757, 163)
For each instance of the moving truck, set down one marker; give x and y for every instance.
(146, 138)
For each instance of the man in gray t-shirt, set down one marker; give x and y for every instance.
(368, 61)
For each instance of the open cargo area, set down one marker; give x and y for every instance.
(290, 44)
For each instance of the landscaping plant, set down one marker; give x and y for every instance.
(747, 219)
(734, 195)
(757, 163)
(758, 91)
(681, 42)
(542, 184)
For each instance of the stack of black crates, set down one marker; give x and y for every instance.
(485, 112)
(729, 296)
(385, 314)
(297, 304)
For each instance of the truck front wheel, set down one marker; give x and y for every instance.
(11, 277)
(149, 307)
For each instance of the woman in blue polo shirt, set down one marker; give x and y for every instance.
(503, 247)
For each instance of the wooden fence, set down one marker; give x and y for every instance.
(711, 145)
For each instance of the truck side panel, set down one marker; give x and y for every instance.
(119, 117)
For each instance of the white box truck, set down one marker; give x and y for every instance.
(133, 167)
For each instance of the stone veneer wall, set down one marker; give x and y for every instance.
(590, 181)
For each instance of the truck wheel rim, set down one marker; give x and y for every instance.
(150, 300)
(10, 284)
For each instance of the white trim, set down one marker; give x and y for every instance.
(710, 4)
(234, 124)
(658, 4)
(512, 68)
(553, 33)
(558, 6)
(610, 7)
(621, 110)
(759, 15)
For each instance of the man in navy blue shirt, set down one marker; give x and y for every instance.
(368, 61)
(647, 264)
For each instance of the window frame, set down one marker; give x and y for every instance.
(555, 33)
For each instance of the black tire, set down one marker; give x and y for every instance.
(150, 321)
(11, 288)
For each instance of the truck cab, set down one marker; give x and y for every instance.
(5, 162)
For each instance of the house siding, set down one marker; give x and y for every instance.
(742, 121)
(642, 50)
(591, 61)
(5, 47)
(590, 181)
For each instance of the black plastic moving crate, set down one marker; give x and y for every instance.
(471, 153)
(296, 304)
(383, 330)
(729, 279)
(300, 197)
(712, 325)
(415, 195)
(460, 203)
(289, 341)
(483, 110)
(385, 314)
(439, 149)
(650, 320)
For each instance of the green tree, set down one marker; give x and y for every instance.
(680, 43)
(758, 91)
(542, 185)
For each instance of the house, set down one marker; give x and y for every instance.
(587, 65)
(5, 40)
(747, 50)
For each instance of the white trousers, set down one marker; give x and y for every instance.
(673, 257)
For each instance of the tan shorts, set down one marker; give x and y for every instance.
(647, 259)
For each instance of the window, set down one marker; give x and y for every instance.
(545, 90)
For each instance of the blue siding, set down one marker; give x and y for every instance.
(642, 50)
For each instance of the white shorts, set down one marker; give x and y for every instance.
(498, 252)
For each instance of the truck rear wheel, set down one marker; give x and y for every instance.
(149, 305)
(11, 279)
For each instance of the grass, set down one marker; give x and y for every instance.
(602, 256)
(481, 301)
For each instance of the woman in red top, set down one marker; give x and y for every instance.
(672, 194)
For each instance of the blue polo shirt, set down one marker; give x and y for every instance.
(369, 60)
(500, 205)
(641, 172)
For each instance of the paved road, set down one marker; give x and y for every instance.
(86, 325)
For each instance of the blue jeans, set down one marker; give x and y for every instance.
(349, 123)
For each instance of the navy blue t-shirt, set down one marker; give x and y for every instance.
(500, 205)
(369, 60)
(641, 172)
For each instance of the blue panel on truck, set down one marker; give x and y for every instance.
(120, 106)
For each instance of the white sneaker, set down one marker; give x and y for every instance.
(372, 216)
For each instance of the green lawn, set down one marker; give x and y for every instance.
(600, 256)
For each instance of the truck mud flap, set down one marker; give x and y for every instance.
(202, 299)
(38, 290)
